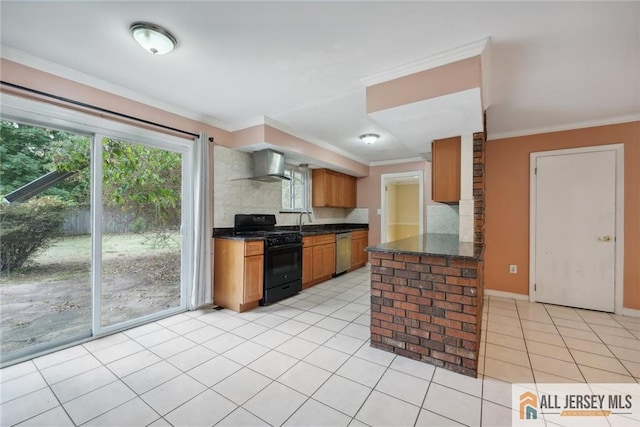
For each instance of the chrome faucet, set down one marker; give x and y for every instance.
(300, 222)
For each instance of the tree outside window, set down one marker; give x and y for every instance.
(294, 192)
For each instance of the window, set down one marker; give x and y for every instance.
(294, 192)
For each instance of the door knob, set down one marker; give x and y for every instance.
(604, 239)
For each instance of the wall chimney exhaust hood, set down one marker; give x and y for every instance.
(268, 166)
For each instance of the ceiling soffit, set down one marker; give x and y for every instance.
(439, 102)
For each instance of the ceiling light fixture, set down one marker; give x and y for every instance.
(153, 38)
(369, 138)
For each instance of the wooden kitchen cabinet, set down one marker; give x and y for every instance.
(253, 278)
(238, 273)
(318, 259)
(349, 191)
(307, 262)
(359, 241)
(333, 189)
(445, 170)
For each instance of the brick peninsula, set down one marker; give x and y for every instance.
(426, 300)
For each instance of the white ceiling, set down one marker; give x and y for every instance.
(553, 65)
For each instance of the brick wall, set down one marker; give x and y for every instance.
(478, 187)
(427, 308)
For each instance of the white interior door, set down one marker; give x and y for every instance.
(575, 223)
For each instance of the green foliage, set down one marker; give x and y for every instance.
(138, 180)
(27, 227)
(143, 181)
(28, 152)
(139, 225)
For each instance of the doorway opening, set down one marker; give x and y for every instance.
(402, 202)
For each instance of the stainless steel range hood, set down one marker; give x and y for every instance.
(268, 166)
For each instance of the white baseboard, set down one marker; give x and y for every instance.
(502, 294)
(630, 312)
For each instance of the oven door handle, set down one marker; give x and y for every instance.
(287, 246)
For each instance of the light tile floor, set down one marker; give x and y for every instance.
(307, 361)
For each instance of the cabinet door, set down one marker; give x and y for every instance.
(355, 256)
(348, 191)
(316, 263)
(358, 255)
(445, 170)
(333, 188)
(363, 256)
(325, 188)
(253, 278)
(329, 259)
(318, 189)
(307, 265)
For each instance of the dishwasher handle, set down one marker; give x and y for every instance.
(343, 236)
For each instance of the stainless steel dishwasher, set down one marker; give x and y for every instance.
(343, 252)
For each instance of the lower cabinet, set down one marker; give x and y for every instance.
(318, 259)
(253, 278)
(307, 262)
(238, 273)
(359, 241)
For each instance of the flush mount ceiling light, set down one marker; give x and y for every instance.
(369, 138)
(153, 38)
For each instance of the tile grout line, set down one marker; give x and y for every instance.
(564, 342)
(601, 341)
(335, 296)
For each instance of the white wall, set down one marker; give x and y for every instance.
(233, 195)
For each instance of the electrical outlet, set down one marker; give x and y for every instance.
(513, 268)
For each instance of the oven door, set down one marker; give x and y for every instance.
(282, 264)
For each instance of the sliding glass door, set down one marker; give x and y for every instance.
(93, 231)
(45, 237)
(141, 241)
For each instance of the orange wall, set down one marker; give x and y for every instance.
(446, 79)
(32, 78)
(507, 203)
(18, 74)
(329, 158)
(289, 143)
(369, 192)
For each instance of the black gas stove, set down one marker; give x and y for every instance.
(282, 255)
(274, 237)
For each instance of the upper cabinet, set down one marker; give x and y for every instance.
(333, 189)
(445, 170)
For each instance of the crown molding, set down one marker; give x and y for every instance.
(397, 161)
(564, 127)
(468, 50)
(64, 72)
(249, 123)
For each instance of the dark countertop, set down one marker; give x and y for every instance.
(307, 230)
(243, 238)
(316, 230)
(446, 245)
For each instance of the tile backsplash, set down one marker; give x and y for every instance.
(443, 219)
(233, 194)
